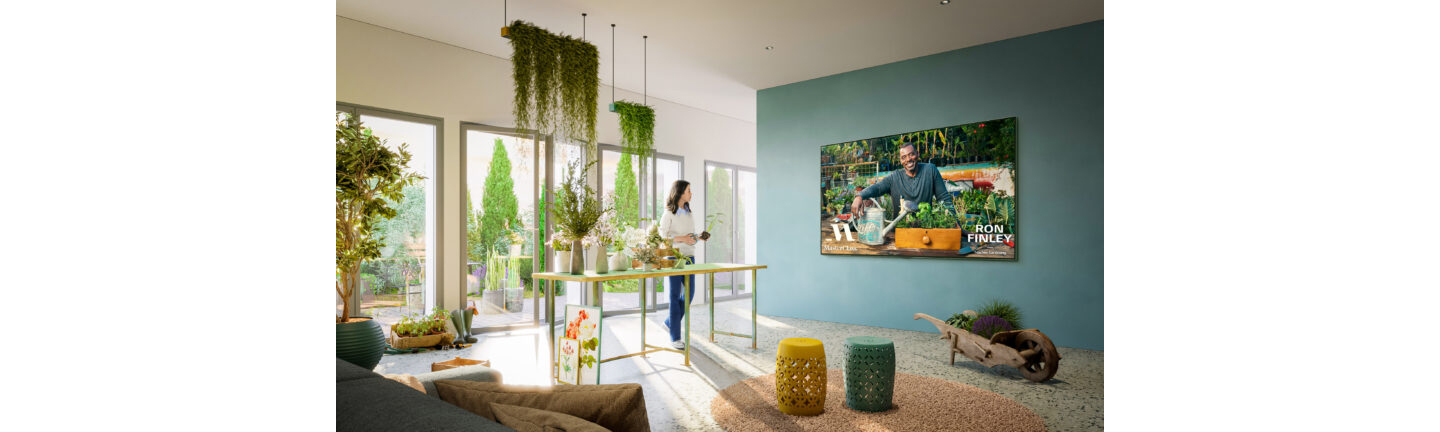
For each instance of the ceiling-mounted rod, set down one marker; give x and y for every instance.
(614, 80)
(505, 26)
(645, 88)
(583, 26)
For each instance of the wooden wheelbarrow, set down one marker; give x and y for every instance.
(1028, 350)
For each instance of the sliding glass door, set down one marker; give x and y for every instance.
(502, 173)
(403, 280)
(730, 214)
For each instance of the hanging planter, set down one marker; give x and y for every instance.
(557, 83)
(637, 128)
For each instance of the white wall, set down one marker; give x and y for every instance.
(383, 68)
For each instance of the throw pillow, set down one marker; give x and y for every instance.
(408, 380)
(533, 420)
(619, 407)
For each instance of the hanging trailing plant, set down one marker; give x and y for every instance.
(637, 128)
(557, 83)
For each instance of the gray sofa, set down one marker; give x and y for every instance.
(367, 401)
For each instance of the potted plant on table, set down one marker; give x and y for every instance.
(576, 211)
(369, 179)
(561, 244)
(601, 236)
(644, 246)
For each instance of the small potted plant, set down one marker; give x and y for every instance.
(560, 243)
(620, 261)
(419, 331)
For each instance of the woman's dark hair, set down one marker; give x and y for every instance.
(676, 190)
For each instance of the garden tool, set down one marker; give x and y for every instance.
(869, 225)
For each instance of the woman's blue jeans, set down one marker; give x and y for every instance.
(677, 302)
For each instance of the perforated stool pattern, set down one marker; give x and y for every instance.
(800, 376)
(869, 373)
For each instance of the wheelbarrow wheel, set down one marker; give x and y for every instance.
(1042, 365)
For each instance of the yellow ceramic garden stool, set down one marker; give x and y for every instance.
(800, 376)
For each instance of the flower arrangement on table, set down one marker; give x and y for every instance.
(644, 244)
(604, 233)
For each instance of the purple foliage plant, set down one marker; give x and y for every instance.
(989, 325)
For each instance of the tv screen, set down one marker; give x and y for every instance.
(946, 192)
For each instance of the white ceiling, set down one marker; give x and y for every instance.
(711, 54)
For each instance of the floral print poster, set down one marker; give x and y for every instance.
(582, 323)
(569, 361)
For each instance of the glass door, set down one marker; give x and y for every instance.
(730, 215)
(619, 181)
(664, 171)
(403, 280)
(501, 171)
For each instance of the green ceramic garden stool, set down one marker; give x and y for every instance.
(869, 373)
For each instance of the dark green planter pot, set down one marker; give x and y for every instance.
(361, 343)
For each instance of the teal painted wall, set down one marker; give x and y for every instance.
(1053, 82)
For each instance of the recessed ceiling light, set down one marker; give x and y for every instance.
(770, 48)
(944, 2)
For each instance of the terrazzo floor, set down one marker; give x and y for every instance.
(678, 397)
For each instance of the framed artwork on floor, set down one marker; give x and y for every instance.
(569, 370)
(582, 323)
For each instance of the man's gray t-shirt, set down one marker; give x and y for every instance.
(925, 187)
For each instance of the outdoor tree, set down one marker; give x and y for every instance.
(718, 200)
(627, 194)
(499, 206)
(627, 211)
(474, 247)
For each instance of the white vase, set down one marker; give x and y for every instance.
(590, 253)
(562, 261)
(619, 262)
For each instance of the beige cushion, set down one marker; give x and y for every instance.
(525, 419)
(408, 380)
(619, 407)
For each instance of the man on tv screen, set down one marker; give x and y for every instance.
(917, 182)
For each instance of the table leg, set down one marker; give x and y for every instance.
(712, 307)
(685, 291)
(643, 347)
(550, 314)
(754, 306)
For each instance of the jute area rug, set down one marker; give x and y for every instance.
(921, 404)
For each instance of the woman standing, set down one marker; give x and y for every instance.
(678, 225)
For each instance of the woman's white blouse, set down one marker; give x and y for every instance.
(678, 224)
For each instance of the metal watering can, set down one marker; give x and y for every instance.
(871, 225)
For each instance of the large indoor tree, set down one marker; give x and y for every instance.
(369, 178)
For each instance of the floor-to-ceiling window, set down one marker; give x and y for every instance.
(641, 205)
(730, 216)
(620, 183)
(565, 154)
(404, 280)
(503, 173)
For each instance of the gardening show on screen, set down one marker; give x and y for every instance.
(947, 192)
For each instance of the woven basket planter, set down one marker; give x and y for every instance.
(401, 342)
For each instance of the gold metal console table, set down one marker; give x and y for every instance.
(548, 283)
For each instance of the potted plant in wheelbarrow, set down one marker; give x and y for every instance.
(990, 338)
(369, 178)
